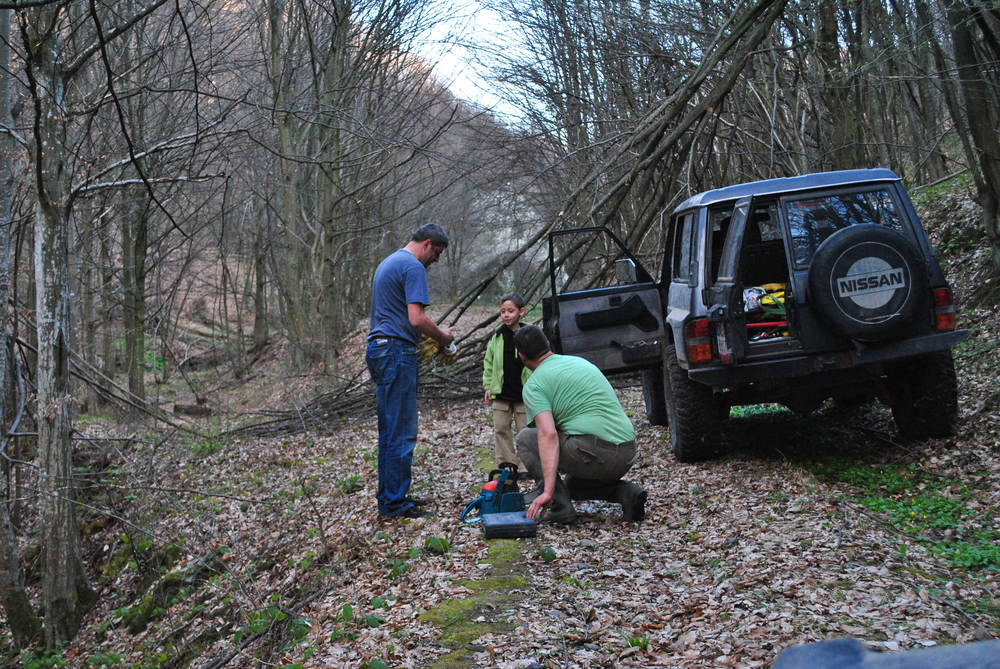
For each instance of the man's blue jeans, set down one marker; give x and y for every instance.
(393, 366)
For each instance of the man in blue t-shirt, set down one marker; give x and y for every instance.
(399, 297)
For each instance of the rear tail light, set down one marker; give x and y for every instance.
(944, 310)
(698, 338)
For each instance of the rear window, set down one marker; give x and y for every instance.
(811, 220)
(683, 239)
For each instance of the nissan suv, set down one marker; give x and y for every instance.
(791, 291)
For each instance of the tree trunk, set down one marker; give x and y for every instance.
(836, 90)
(25, 626)
(108, 364)
(292, 283)
(134, 248)
(260, 334)
(981, 112)
(329, 201)
(66, 591)
(87, 315)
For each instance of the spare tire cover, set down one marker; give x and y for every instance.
(869, 283)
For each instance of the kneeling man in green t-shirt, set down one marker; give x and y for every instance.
(579, 429)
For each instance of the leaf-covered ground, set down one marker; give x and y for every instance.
(737, 558)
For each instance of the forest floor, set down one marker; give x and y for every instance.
(215, 551)
(808, 528)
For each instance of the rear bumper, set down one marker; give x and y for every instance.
(804, 365)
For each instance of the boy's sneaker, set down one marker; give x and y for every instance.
(418, 501)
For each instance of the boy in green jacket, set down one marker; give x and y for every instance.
(503, 378)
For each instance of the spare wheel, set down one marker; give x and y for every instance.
(869, 283)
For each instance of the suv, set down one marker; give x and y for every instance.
(792, 291)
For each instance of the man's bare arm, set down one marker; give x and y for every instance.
(548, 453)
(425, 326)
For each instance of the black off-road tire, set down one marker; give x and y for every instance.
(925, 396)
(652, 393)
(869, 283)
(693, 413)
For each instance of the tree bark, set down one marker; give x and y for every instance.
(260, 325)
(280, 43)
(981, 112)
(25, 626)
(66, 591)
(108, 364)
(134, 234)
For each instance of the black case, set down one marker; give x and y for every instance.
(508, 525)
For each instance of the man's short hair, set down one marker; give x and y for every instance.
(431, 231)
(531, 341)
(515, 298)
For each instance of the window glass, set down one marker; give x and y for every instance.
(812, 220)
(763, 226)
(719, 219)
(589, 259)
(734, 238)
(683, 230)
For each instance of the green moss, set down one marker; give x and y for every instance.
(164, 593)
(503, 554)
(502, 585)
(462, 621)
(454, 660)
(446, 614)
(486, 462)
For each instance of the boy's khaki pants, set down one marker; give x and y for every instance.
(505, 413)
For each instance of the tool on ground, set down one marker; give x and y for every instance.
(499, 495)
(509, 525)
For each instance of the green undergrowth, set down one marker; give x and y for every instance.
(930, 510)
(463, 621)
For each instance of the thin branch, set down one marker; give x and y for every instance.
(102, 44)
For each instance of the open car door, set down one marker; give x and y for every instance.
(726, 308)
(604, 306)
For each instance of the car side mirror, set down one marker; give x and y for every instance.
(625, 271)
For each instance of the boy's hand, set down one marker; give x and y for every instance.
(488, 397)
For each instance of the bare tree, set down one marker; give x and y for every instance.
(25, 626)
(66, 589)
(975, 31)
(366, 140)
(66, 54)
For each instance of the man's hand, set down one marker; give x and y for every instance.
(449, 335)
(488, 397)
(540, 505)
(548, 454)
